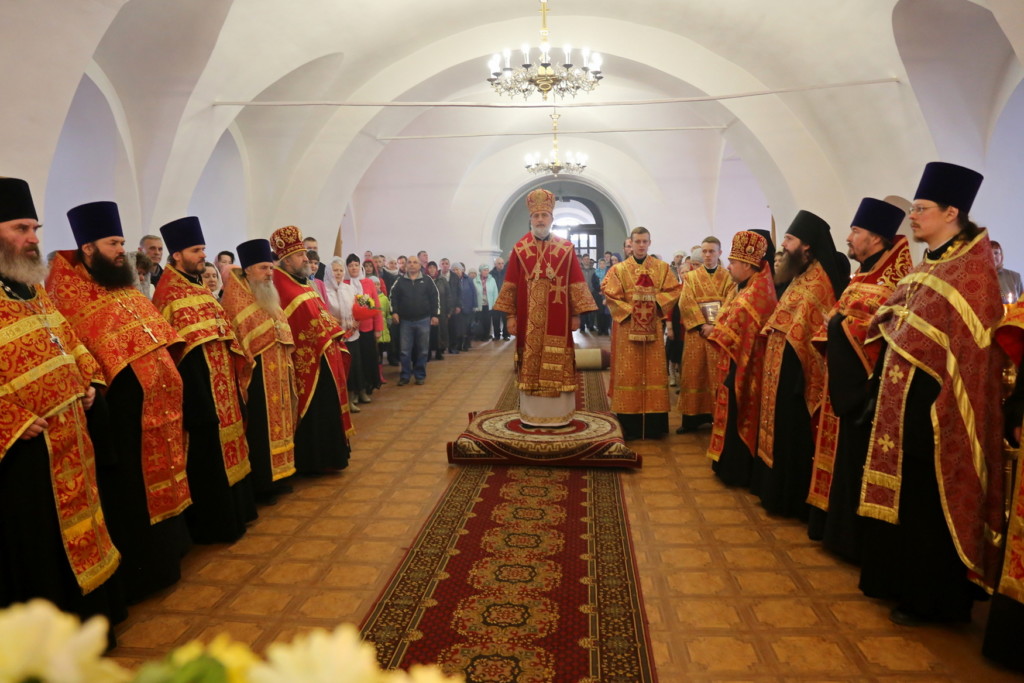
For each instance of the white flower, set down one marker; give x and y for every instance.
(39, 641)
(420, 674)
(320, 657)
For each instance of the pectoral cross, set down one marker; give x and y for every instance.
(55, 340)
(901, 317)
(145, 328)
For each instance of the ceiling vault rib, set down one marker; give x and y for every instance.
(563, 105)
(547, 132)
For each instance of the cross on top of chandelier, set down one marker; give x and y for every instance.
(544, 77)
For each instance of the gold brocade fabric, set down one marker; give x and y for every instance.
(1010, 337)
(639, 375)
(317, 337)
(44, 373)
(544, 289)
(737, 336)
(270, 339)
(799, 314)
(862, 297)
(121, 327)
(940, 321)
(192, 310)
(697, 386)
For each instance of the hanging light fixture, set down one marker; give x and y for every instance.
(545, 77)
(573, 164)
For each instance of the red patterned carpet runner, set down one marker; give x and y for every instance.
(520, 575)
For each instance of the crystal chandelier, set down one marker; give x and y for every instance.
(574, 164)
(560, 79)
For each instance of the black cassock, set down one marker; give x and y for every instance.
(784, 486)
(841, 528)
(33, 562)
(150, 553)
(219, 512)
(735, 463)
(915, 562)
(257, 433)
(320, 442)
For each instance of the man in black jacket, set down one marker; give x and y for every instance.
(415, 304)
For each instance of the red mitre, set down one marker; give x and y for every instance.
(748, 247)
(540, 200)
(286, 241)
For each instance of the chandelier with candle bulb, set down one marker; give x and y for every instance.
(546, 76)
(573, 164)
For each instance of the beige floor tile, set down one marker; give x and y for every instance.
(260, 601)
(161, 631)
(813, 655)
(722, 654)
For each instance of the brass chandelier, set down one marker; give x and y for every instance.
(545, 77)
(573, 164)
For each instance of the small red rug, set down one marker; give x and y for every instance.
(593, 439)
(520, 575)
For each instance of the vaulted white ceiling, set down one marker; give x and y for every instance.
(950, 73)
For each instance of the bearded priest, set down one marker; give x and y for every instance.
(54, 542)
(266, 376)
(543, 295)
(794, 372)
(142, 479)
(321, 361)
(641, 293)
(842, 439)
(218, 455)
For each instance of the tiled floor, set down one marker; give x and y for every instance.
(731, 594)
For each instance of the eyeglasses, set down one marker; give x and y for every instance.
(920, 209)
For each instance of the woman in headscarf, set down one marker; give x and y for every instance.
(341, 301)
(371, 324)
(211, 280)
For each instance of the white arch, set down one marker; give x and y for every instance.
(813, 182)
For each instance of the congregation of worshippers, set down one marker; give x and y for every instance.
(155, 398)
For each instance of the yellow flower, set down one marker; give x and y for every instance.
(236, 657)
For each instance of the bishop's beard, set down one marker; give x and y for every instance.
(110, 275)
(267, 297)
(25, 266)
(541, 233)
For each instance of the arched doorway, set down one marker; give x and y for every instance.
(583, 213)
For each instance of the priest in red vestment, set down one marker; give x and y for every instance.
(842, 439)
(218, 454)
(54, 542)
(142, 480)
(794, 373)
(266, 376)
(543, 296)
(1006, 615)
(740, 346)
(933, 479)
(321, 361)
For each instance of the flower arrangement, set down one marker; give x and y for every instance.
(366, 301)
(40, 644)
